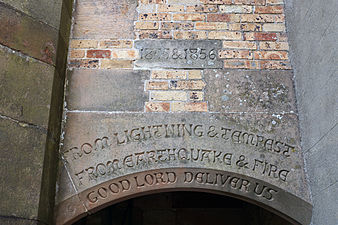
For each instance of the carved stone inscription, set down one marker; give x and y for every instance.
(181, 177)
(110, 157)
(179, 53)
(113, 146)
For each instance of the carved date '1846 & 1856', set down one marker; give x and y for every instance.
(179, 53)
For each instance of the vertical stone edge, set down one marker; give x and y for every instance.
(51, 158)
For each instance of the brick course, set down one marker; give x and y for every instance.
(253, 34)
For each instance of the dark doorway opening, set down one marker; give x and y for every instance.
(183, 208)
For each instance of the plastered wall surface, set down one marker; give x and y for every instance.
(313, 30)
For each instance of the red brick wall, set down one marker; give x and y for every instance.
(253, 34)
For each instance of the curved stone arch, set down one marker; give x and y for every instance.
(119, 147)
(258, 192)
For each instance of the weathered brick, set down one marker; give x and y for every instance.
(267, 45)
(147, 25)
(269, 9)
(157, 85)
(170, 8)
(239, 44)
(278, 55)
(153, 1)
(282, 37)
(235, 54)
(193, 35)
(177, 26)
(260, 36)
(241, 64)
(189, 107)
(246, 26)
(211, 26)
(187, 84)
(282, 65)
(202, 8)
(103, 19)
(262, 18)
(184, 2)
(235, 9)
(155, 16)
(217, 2)
(98, 54)
(154, 34)
(168, 96)
(157, 106)
(146, 8)
(274, 27)
(225, 35)
(84, 63)
(222, 17)
(168, 74)
(189, 17)
(76, 53)
(249, 2)
(116, 44)
(83, 43)
(274, 2)
(194, 74)
(114, 64)
(196, 95)
(125, 54)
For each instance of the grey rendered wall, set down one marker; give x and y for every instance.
(313, 32)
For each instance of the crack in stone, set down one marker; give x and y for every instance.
(73, 184)
(320, 139)
(327, 187)
(24, 124)
(22, 55)
(22, 218)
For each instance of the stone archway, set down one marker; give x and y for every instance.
(207, 106)
(123, 156)
(183, 208)
(257, 192)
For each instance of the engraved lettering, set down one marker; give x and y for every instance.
(224, 135)
(211, 133)
(86, 148)
(172, 177)
(102, 192)
(198, 133)
(125, 184)
(101, 144)
(91, 198)
(188, 177)
(235, 136)
(114, 188)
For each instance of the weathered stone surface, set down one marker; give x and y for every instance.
(22, 33)
(179, 54)
(312, 33)
(105, 19)
(21, 162)
(111, 90)
(104, 147)
(25, 88)
(65, 188)
(66, 193)
(47, 11)
(16, 221)
(250, 91)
